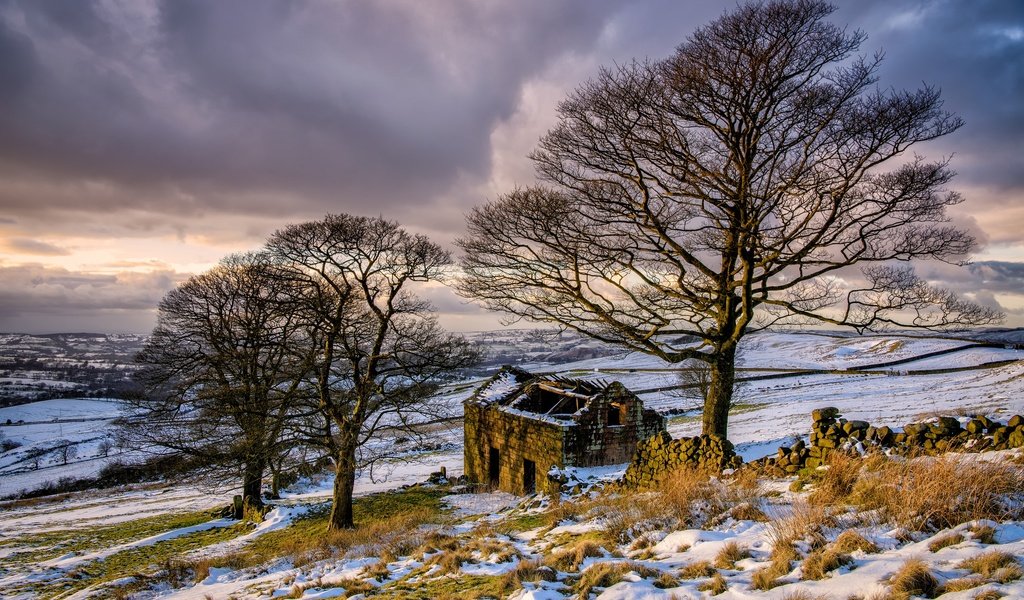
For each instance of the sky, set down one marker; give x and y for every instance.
(143, 140)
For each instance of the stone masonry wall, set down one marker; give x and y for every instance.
(594, 442)
(831, 433)
(660, 455)
(517, 439)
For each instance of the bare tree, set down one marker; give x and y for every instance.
(105, 446)
(380, 351)
(725, 189)
(65, 451)
(223, 370)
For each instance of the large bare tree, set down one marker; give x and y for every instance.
(223, 371)
(380, 353)
(727, 188)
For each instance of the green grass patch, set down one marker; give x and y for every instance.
(140, 561)
(51, 544)
(446, 586)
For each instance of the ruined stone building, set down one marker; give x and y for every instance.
(518, 426)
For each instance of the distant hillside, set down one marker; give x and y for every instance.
(65, 365)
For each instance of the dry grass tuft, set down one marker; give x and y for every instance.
(985, 534)
(990, 563)
(962, 583)
(665, 581)
(850, 541)
(914, 579)
(697, 570)
(804, 595)
(745, 511)
(804, 522)
(945, 541)
(989, 595)
(716, 585)
(819, 563)
(838, 480)
(729, 554)
(937, 493)
(527, 570)
(768, 577)
(570, 559)
(607, 574)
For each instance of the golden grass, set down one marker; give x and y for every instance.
(768, 577)
(570, 559)
(729, 554)
(914, 579)
(607, 574)
(820, 563)
(985, 534)
(837, 481)
(962, 583)
(697, 570)
(804, 595)
(989, 595)
(938, 493)
(716, 585)
(527, 570)
(945, 541)
(989, 563)
(850, 541)
(804, 522)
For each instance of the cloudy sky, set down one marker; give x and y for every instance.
(142, 140)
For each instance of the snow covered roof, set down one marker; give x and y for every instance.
(544, 397)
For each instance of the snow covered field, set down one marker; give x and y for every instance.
(768, 412)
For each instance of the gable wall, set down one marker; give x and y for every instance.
(517, 439)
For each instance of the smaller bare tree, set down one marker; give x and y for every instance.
(65, 450)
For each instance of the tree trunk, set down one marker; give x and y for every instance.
(719, 398)
(252, 484)
(344, 484)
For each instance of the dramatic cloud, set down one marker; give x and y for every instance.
(177, 131)
(27, 246)
(63, 300)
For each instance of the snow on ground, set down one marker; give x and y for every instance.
(767, 413)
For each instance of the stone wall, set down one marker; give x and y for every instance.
(517, 439)
(593, 441)
(831, 433)
(660, 455)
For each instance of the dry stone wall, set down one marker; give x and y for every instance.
(660, 455)
(832, 433)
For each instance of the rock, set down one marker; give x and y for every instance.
(1015, 421)
(976, 426)
(828, 412)
(883, 435)
(950, 423)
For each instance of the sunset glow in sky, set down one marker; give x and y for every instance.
(142, 140)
